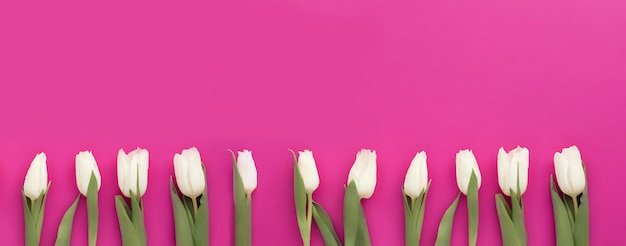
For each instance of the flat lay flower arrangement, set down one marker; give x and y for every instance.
(188, 188)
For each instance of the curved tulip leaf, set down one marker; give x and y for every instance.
(411, 237)
(31, 237)
(581, 226)
(201, 228)
(472, 209)
(507, 227)
(325, 225)
(351, 206)
(562, 223)
(300, 198)
(363, 235)
(517, 217)
(64, 233)
(127, 229)
(243, 213)
(182, 223)
(445, 226)
(92, 209)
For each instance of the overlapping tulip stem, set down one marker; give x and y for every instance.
(414, 216)
(511, 220)
(472, 209)
(356, 231)
(33, 217)
(243, 209)
(92, 209)
(571, 217)
(131, 219)
(191, 217)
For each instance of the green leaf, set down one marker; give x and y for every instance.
(445, 226)
(243, 213)
(472, 209)
(92, 209)
(419, 210)
(181, 220)
(562, 223)
(507, 227)
(201, 228)
(64, 234)
(325, 225)
(581, 224)
(300, 198)
(351, 206)
(363, 235)
(517, 217)
(137, 216)
(42, 208)
(127, 229)
(411, 237)
(31, 237)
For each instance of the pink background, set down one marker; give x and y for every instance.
(331, 76)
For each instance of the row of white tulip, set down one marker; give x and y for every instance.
(132, 172)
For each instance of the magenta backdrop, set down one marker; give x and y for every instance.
(331, 76)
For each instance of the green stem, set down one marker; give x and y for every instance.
(575, 200)
(309, 216)
(195, 206)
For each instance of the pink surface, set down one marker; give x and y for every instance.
(331, 76)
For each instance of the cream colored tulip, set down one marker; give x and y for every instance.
(85, 166)
(570, 174)
(36, 181)
(247, 170)
(416, 179)
(363, 173)
(465, 164)
(308, 171)
(132, 171)
(189, 174)
(513, 166)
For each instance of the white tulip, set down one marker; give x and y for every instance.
(189, 174)
(130, 167)
(416, 179)
(247, 170)
(465, 164)
(85, 166)
(513, 166)
(363, 173)
(36, 181)
(570, 174)
(308, 171)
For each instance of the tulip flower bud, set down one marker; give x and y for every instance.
(189, 174)
(308, 171)
(130, 168)
(85, 166)
(416, 178)
(36, 181)
(363, 173)
(513, 168)
(465, 164)
(247, 170)
(570, 174)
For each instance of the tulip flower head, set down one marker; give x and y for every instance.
(513, 168)
(416, 179)
(36, 181)
(308, 171)
(570, 174)
(363, 173)
(85, 166)
(132, 171)
(189, 174)
(465, 164)
(247, 170)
